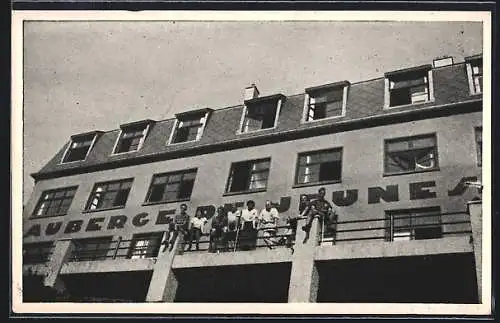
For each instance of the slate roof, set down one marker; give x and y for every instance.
(365, 100)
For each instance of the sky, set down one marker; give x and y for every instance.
(84, 76)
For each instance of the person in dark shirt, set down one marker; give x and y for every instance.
(179, 225)
(219, 226)
(320, 208)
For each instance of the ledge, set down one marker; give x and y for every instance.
(411, 172)
(165, 202)
(245, 192)
(106, 209)
(316, 184)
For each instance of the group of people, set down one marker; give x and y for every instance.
(238, 229)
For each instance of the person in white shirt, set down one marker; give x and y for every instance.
(197, 229)
(233, 218)
(268, 221)
(248, 227)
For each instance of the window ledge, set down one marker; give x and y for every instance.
(409, 105)
(476, 94)
(324, 119)
(412, 172)
(244, 192)
(182, 142)
(35, 217)
(165, 202)
(239, 132)
(124, 152)
(317, 183)
(73, 161)
(104, 209)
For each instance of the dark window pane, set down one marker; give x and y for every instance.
(186, 189)
(240, 177)
(400, 97)
(156, 193)
(121, 197)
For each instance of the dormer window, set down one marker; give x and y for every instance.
(132, 136)
(326, 101)
(79, 147)
(475, 73)
(189, 126)
(409, 86)
(261, 113)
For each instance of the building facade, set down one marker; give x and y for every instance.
(397, 156)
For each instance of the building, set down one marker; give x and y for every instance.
(399, 157)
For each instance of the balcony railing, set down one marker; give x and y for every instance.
(236, 243)
(114, 249)
(37, 256)
(396, 228)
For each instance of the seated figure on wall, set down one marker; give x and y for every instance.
(320, 208)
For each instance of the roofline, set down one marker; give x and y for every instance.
(427, 112)
(408, 70)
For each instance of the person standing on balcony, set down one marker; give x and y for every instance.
(268, 222)
(179, 225)
(248, 227)
(293, 218)
(233, 221)
(319, 208)
(219, 226)
(196, 231)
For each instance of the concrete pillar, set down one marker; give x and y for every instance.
(61, 253)
(304, 278)
(163, 285)
(475, 213)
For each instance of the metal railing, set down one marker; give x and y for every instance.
(390, 228)
(31, 258)
(114, 249)
(233, 241)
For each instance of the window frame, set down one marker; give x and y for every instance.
(430, 86)
(183, 172)
(479, 147)
(418, 212)
(297, 167)
(124, 128)
(469, 64)
(343, 85)
(36, 208)
(92, 193)
(278, 98)
(203, 113)
(411, 137)
(254, 161)
(145, 236)
(72, 140)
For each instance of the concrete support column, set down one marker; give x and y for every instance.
(163, 285)
(304, 276)
(60, 255)
(476, 222)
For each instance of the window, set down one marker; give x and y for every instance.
(326, 101)
(409, 86)
(479, 145)
(261, 113)
(171, 187)
(36, 253)
(79, 147)
(412, 154)
(145, 245)
(475, 74)
(55, 202)
(414, 224)
(248, 176)
(190, 126)
(132, 137)
(319, 166)
(91, 249)
(109, 195)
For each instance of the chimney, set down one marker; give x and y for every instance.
(251, 92)
(442, 61)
